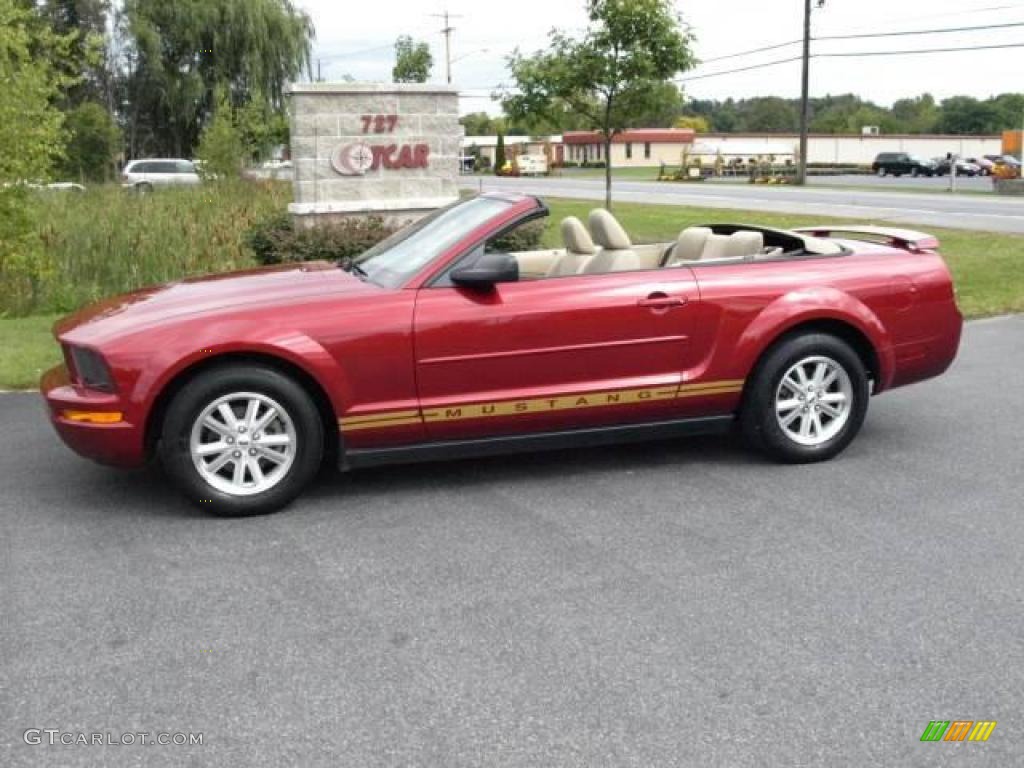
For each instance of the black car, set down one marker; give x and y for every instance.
(899, 163)
(963, 167)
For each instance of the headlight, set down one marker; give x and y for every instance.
(88, 368)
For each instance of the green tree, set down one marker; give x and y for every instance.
(31, 141)
(769, 114)
(661, 110)
(499, 153)
(478, 124)
(94, 142)
(611, 73)
(261, 127)
(179, 53)
(221, 148)
(1009, 111)
(696, 123)
(412, 61)
(919, 114)
(967, 115)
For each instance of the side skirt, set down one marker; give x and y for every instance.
(538, 441)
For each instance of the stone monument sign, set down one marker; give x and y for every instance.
(390, 150)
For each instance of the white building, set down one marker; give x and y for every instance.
(651, 147)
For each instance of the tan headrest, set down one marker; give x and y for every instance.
(690, 244)
(576, 237)
(607, 231)
(742, 244)
(745, 243)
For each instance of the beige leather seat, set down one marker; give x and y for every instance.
(579, 249)
(616, 254)
(744, 244)
(689, 245)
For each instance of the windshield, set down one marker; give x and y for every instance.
(393, 261)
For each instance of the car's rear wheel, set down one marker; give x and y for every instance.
(242, 440)
(881, 172)
(144, 188)
(807, 399)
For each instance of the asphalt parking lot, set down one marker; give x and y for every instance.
(656, 605)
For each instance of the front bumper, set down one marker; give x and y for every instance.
(119, 443)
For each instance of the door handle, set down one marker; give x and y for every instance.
(661, 301)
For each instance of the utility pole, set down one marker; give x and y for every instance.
(801, 169)
(447, 32)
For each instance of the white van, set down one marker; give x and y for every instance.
(143, 175)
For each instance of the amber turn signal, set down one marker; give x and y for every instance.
(93, 417)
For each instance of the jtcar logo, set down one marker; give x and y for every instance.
(54, 736)
(958, 730)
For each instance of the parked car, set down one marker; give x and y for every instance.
(963, 167)
(1005, 166)
(437, 344)
(899, 163)
(985, 165)
(144, 175)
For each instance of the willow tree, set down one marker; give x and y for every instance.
(180, 53)
(614, 71)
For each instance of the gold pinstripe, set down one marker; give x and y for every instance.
(580, 400)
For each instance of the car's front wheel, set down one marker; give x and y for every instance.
(242, 440)
(807, 399)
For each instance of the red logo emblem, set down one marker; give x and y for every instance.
(352, 159)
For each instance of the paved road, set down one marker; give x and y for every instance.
(989, 213)
(905, 183)
(661, 605)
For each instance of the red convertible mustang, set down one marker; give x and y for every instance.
(443, 342)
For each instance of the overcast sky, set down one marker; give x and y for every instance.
(357, 40)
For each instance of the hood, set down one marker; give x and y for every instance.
(211, 295)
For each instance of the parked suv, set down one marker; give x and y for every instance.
(898, 163)
(143, 175)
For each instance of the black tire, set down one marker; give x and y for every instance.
(881, 173)
(914, 173)
(758, 419)
(198, 394)
(143, 189)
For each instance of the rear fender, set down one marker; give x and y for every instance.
(809, 305)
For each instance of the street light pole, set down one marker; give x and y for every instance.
(801, 170)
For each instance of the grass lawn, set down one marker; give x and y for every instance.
(639, 173)
(27, 349)
(988, 269)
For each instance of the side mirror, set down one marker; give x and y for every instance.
(489, 269)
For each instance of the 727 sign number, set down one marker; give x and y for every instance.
(379, 123)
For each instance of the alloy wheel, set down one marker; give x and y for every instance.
(243, 443)
(813, 400)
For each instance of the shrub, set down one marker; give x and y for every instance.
(276, 239)
(525, 237)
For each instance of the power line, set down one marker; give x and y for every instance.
(851, 54)
(920, 50)
(921, 31)
(750, 52)
(864, 35)
(355, 53)
(739, 69)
